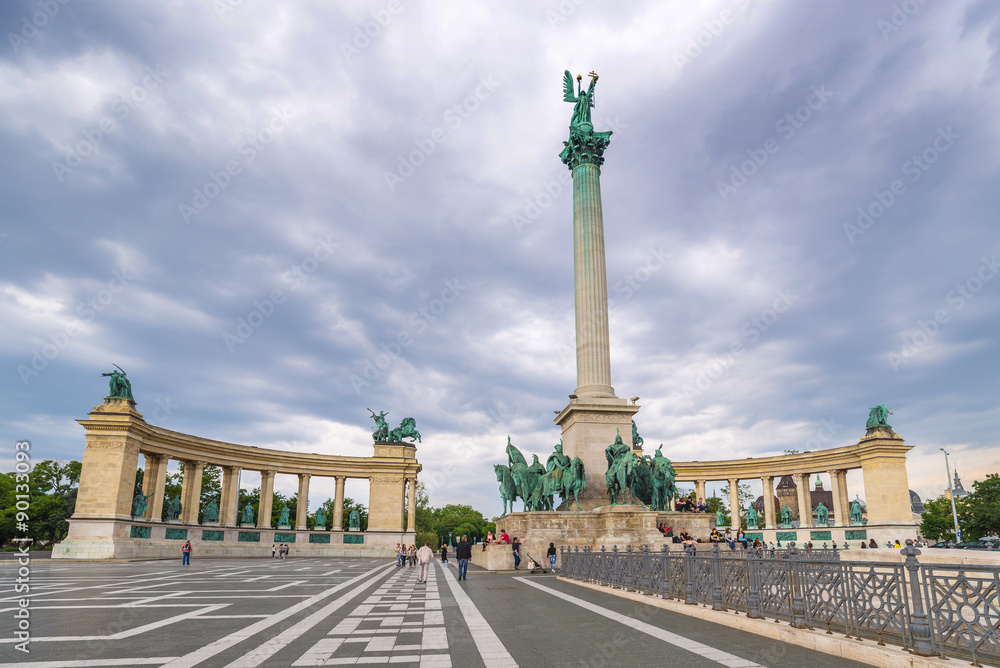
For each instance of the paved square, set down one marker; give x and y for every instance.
(340, 611)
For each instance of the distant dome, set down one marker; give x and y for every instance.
(916, 505)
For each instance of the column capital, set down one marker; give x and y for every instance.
(585, 147)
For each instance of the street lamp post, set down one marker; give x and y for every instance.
(951, 494)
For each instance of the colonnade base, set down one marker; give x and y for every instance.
(115, 539)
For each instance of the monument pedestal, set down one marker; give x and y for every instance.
(589, 425)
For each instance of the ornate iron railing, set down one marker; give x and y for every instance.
(949, 610)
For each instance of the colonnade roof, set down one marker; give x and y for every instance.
(393, 459)
(819, 461)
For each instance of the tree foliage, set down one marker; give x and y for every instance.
(51, 491)
(978, 513)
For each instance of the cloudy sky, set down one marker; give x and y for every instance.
(274, 216)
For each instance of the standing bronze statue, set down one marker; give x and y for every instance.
(380, 433)
(119, 386)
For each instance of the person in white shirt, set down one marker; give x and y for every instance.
(424, 556)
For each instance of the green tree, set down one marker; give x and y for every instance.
(980, 514)
(937, 522)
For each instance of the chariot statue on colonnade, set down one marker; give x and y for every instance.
(382, 434)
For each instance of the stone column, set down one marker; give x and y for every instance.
(191, 491)
(887, 490)
(734, 503)
(266, 498)
(805, 500)
(230, 496)
(844, 509)
(593, 348)
(153, 479)
(835, 490)
(338, 504)
(411, 520)
(302, 502)
(768, 482)
(699, 489)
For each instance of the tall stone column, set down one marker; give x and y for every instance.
(153, 482)
(835, 490)
(805, 500)
(230, 496)
(302, 502)
(734, 503)
(266, 499)
(191, 491)
(845, 498)
(338, 504)
(411, 519)
(883, 465)
(699, 489)
(768, 482)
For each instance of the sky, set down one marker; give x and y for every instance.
(275, 216)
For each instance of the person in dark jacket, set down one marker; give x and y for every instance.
(463, 552)
(516, 549)
(552, 556)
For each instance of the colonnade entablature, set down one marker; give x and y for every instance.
(880, 455)
(117, 435)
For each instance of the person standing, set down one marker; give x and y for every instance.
(515, 547)
(274, 551)
(552, 556)
(186, 553)
(424, 556)
(463, 553)
(444, 553)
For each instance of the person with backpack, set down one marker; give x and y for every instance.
(186, 553)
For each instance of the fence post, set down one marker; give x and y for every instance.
(798, 599)
(665, 571)
(753, 593)
(920, 628)
(689, 551)
(717, 602)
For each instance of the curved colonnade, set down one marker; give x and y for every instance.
(103, 526)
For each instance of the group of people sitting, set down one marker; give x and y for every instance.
(684, 505)
(503, 538)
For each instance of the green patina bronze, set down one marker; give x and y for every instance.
(380, 433)
(820, 535)
(211, 512)
(637, 440)
(406, 429)
(856, 517)
(119, 385)
(212, 534)
(246, 517)
(720, 518)
(584, 145)
(139, 504)
(140, 532)
(320, 520)
(786, 536)
(621, 473)
(537, 485)
(786, 516)
(283, 517)
(663, 476)
(754, 536)
(751, 518)
(856, 534)
(354, 540)
(822, 515)
(176, 534)
(248, 537)
(319, 538)
(354, 521)
(174, 509)
(878, 417)
(284, 537)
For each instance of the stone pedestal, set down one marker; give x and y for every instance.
(588, 427)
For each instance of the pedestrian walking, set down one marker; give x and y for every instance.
(186, 553)
(424, 556)
(552, 556)
(463, 553)
(444, 553)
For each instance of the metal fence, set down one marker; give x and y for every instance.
(930, 610)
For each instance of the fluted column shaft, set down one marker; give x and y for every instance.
(768, 482)
(411, 519)
(734, 503)
(593, 349)
(191, 491)
(338, 505)
(230, 495)
(266, 499)
(838, 518)
(302, 502)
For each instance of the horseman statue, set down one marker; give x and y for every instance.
(406, 429)
(380, 434)
(536, 485)
(621, 473)
(663, 481)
